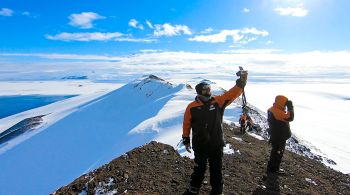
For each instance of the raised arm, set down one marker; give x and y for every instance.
(228, 97)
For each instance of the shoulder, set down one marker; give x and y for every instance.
(194, 104)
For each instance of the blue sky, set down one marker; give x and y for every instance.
(110, 27)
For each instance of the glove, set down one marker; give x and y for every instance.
(289, 105)
(241, 84)
(186, 141)
(242, 81)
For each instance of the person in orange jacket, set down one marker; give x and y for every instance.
(204, 116)
(279, 116)
(245, 121)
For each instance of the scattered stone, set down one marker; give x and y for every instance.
(151, 170)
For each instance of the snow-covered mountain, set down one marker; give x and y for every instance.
(79, 134)
(84, 137)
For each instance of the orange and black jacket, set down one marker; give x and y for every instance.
(279, 119)
(205, 119)
(243, 119)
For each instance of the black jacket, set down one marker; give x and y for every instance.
(205, 119)
(279, 128)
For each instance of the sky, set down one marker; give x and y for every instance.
(115, 28)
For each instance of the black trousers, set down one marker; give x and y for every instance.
(243, 127)
(214, 156)
(276, 156)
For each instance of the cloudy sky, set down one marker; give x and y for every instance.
(109, 27)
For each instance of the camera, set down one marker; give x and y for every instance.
(241, 72)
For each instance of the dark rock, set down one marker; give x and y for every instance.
(150, 170)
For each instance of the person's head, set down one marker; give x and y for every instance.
(281, 101)
(203, 89)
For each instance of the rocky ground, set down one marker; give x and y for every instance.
(157, 168)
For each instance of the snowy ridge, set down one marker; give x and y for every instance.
(78, 138)
(87, 137)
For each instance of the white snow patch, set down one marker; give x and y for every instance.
(256, 136)
(228, 149)
(237, 138)
(311, 181)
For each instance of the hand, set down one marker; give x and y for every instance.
(186, 141)
(244, 76)
(242, 81)
(188, 148)
(289, 105)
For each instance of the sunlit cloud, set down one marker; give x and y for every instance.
(170, 30)
(149, 50)
(96, 36)
(246, 10)
(135, 24)
(240, 36)
(149, 24)
(298, 11)
(25, 13)
(259, 61)
(62, 56)
(84, 20)
(207, 31)
(6, 12)
(252, 51)
(269, 42)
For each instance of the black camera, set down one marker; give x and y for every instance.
(241, 72)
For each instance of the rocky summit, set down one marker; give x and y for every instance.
(157, 168)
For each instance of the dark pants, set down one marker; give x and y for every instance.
(276, 156)
(250, 125)
(243, 127)
(214, 156)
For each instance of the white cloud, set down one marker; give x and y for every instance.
(252, 51)
(84, 20)
(96, 36)
(259, 61)
(135, 24)
(247, 40)
(25, 13)
(6, 12)
(62, 56)
(298, 11)
(149, 50)
(207, 30)
(169, 30)
(240, 36)
(254, 31)
(269, 42)
(245, 10)
(149, 24)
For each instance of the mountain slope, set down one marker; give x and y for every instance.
(157, 168)
(88, 137)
